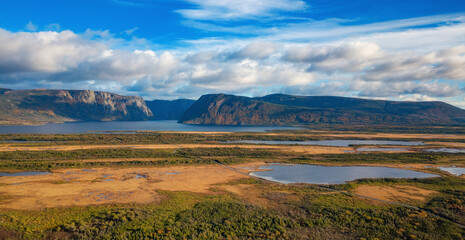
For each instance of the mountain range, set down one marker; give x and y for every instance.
(41, 106)
(280, 109)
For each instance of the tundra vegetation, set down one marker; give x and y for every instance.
(242, 209)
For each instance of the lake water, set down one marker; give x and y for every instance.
(19, 174)
(334, 143)
(132, 126)
(315, 174)
(457, 171)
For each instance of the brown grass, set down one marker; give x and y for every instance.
(299, 149)
(395, 194)
(74, 187)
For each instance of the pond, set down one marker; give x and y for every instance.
(334, 143)
(20, 174)
(132, 126)
(315, 174)
(457, 171)
(446, 150)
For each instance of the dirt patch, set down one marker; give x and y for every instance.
(83, 187)
(395, 194)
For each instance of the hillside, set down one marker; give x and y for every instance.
(41, 106)
(169, 110)
(280, 109)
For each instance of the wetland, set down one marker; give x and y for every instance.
(194, 185)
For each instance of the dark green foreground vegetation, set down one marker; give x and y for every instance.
(298, 212)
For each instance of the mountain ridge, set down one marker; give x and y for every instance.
(282, 109)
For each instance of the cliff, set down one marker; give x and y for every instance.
(41, 106)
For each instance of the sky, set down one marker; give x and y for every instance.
(410, 50)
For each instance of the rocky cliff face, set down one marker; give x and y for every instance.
(221, 109)
(282, 109)
(169, 110)
(39, 106)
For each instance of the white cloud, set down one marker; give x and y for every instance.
(238, 9)
(398, 89)
(369, 62)
(47, 52)
(131, 31)
(348, 57)
(350, 67)
(31, 26)
(336, 29)
(256, 50)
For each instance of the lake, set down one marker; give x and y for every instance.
(314, 174)
(334, 143)
(131, 126)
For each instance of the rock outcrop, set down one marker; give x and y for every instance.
(40, 106)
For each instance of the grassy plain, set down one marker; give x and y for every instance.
(156, 185)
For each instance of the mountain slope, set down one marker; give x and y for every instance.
(41, 106)
(280, 109)
(169, 110)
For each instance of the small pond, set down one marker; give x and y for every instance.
(446, 150)
(20, 174)
(457, 171)
(334, 143)
(315, 174)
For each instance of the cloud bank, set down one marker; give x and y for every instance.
(369, 65)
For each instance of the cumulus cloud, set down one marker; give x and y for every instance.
(69, 57)
(369, 62)
(348, 57)
(238, 9)
(47, 52)
(52, 59)
(256, 50)
(397, 89)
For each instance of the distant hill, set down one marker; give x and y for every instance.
(169, 110)
(41, 106)
(280, 109)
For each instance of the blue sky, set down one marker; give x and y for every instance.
(399, 50)
(164, 23)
